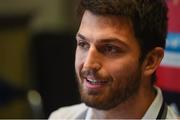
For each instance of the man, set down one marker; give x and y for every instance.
(120, 44)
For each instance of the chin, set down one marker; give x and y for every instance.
(98, 100)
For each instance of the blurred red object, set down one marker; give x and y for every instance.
(174, 15)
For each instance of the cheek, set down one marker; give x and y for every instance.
(121, 70)
(78, 67)
(78, 61)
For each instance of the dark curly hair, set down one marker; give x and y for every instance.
(148, 17)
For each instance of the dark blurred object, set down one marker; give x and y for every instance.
(172, 99)
(9, 92)
(13, 101)
(53, 59)
(14, 21)
(30, 101)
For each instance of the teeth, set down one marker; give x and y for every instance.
(93, 81)
(96, 81)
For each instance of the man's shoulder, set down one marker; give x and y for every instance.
(69, 112)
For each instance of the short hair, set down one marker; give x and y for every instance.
(148, 17)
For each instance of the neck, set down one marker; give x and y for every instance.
(134, 107)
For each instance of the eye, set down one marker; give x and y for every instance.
(83, 44)
(110, 49)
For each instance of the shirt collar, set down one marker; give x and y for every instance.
(155, 106)
(89, 114)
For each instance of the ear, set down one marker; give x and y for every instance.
(153, 60)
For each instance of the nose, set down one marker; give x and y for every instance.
(93, 60)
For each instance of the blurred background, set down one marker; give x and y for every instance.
(37, 43)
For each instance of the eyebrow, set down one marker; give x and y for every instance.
(106, 40)
(81, 36)
(112, 40)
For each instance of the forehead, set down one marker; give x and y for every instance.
(97, 27)
(104, 20)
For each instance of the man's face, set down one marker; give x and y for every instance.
(107, 61)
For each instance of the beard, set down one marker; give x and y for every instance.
(119, 91)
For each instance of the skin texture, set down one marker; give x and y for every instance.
(108, 53)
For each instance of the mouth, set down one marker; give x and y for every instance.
(95, 84)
